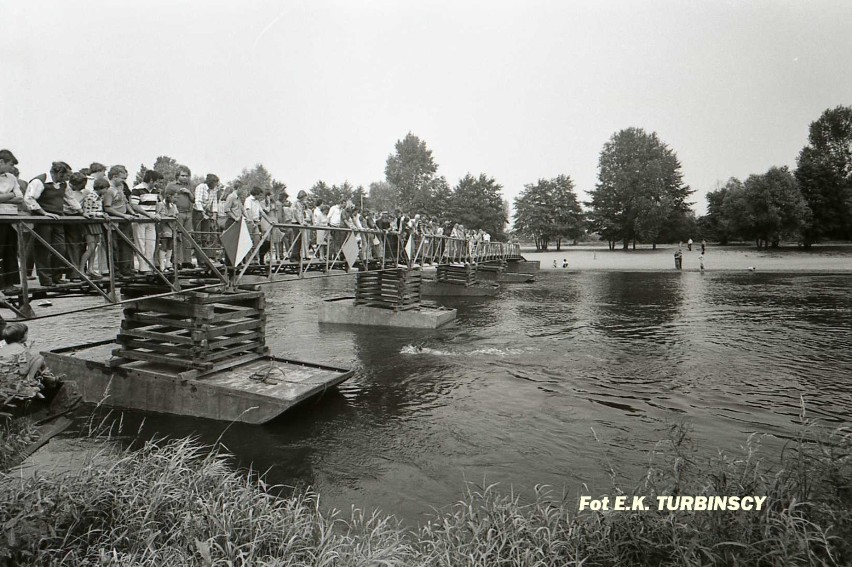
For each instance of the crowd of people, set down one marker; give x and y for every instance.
(377, 234)
(148, 221)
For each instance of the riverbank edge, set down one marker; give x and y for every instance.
(178, 502)
(808, 271)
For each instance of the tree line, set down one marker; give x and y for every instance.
(411, 185)
(640, 196)
(808, 205)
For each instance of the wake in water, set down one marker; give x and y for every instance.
(487, 351)
(418, 349)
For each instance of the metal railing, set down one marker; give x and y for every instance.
(296, 249)
(324, 247)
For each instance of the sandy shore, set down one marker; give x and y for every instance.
(826, 258)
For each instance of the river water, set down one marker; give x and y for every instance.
(548, 383)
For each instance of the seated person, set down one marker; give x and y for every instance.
(16, 353)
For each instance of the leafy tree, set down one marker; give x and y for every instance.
(715, 225)
(258, 176)
(321, 190)
(534, 214)
(440, 198)
(640, 194)
(549, 210)
(279, 187)
(568, 220)
(163, 164)
(766, 208)
(476, 202)
(383, 196)
(335, 194)
(360, 198)
(824, 174)
(411, 171)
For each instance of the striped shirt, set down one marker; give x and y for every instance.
(143, 196)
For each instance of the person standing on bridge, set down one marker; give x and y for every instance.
(94, 207)
(234, 207)
(51, 199)
(321, 219)
(205, 211)
(75, 234)
(335, 220)
(288, 233)
(183, 198)
(253, 208)
(145, 197)
(384, 224)
(10, 195)
(300, 209)
(116, 205)
(165, 233)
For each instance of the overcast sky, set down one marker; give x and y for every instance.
(323, 89)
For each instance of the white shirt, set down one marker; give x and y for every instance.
(253, 209)
(334, 215)
(36, 188)
(9, 184)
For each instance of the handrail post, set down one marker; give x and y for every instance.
(26, 309)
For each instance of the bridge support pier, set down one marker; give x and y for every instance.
(386, 298)
(497, 272)
(456, 280)
(521, 266)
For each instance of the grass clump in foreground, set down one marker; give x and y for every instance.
(15, 437)
(176, 503)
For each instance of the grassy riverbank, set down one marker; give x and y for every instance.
(176, 503)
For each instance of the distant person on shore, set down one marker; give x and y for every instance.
(554, 263)
(701, 261)
(703, 246)
(564, 263)
(689, 244)
(678, 258)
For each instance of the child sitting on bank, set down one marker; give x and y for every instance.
(165, 232)
(21, 372)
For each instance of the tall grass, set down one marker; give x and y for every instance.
(15, 436)
(177, 503)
